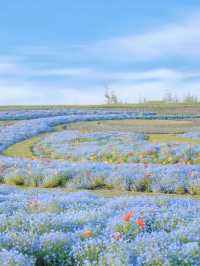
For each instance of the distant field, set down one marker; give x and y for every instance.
(144, 126)
(159, 107)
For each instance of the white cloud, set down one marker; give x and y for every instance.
(99, 75)
(20, 79)
(28, 93)
(10, 66)
(180, 39)
(129, 86)
(127, 90)
(66, 72)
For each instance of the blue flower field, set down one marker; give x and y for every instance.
(95, 196)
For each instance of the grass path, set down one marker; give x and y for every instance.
(158, 138)
(8, 123)
(137, 125)
(23, 149)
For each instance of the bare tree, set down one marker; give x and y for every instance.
(168, 97)
(114, 99)
(110, 96)
(189, 98)
(107, 97)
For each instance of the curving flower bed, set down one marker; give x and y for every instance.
(55, 228)
(135, 177)
(11, 134)
(114, 147)
(24, 114)
(192, 135)
(119, 160)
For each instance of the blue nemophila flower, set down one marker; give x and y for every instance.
(84, 229)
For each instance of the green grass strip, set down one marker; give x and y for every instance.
(23, 149)
(158, 138)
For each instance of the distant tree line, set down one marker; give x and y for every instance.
(188, 98)
(112, 98)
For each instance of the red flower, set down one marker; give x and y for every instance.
(140, 223)
(127, 216)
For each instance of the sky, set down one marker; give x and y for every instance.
(71, 52)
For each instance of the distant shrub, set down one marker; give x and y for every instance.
(14, 180)
(194, 190)
(194, 186)
(33, 180)
(54, 181)
(181, 190)
(144, 184)
(87, 180)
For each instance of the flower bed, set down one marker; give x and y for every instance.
(134, 177)
(26, 129)
(192, 135)
(114, 147)
(122, 160)
(55, 228)
(24, 114)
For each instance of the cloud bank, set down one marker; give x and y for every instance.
(137, 66)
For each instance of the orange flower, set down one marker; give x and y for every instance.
(127, 216)
(87, 233)
(140, 223)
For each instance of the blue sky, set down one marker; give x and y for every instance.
(69, 52)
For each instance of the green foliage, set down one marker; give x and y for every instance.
(144, 184)
(14, 180)
(181, 190)
(171, 138)
(194, 190)
(54, 181)
(128, 230)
